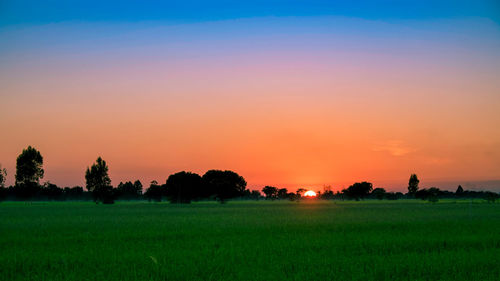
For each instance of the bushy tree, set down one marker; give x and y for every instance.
(99, 183)
(154, 192)
(282, 193)
(129, 190)
(29, 166)
(74, 193)
(491, 197)
(183, 187)
(358, 190)
(224, 184)
(413, 184)
(51, 191)
(432, 194)
(379, 193)
(29, 171)
(271, 192)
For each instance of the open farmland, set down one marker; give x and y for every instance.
(310, 240)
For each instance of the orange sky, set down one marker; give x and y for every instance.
(285, 110)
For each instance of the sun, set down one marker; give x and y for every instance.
(310, 193)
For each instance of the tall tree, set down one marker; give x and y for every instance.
(29, 167)
(99, 183)
(3, 176)
(413, 184)
(459, 191)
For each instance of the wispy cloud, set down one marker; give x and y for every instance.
(394, 147)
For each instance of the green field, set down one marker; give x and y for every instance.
(397, 240)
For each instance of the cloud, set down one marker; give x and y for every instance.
(394, 147)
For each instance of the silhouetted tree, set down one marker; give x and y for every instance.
(432, 194)
(358, 190)
(224, 184)
(394, 196)
(271, 192)
(74, 193)
(183, 187)
(491, 197)
(29, 166)
(29, 171)
(129, 190)
(3, 176)
(379, 193)
(327, 193)
(413, 184)
(459, 191)
(251, 194)
(51, 191)
(255, 195)
(99, 183)
(283, 193)
(154, 192)
(300, 191)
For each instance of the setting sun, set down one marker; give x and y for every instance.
(310, 193)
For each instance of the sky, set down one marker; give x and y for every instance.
(286, 93)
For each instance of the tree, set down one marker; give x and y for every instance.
(271, 192)
(223, 184)
(459, 191)
(327, 193)
(29, 171)
(491, 197)
(379, 193)
(129, 190)
(183, 187)
(74, 193)
(29, 166)
(300, 191)
(433, 194)
(51, 191)
(154, 192)
(358, 190)
(282, 193)
(413, 184)
(3, 176)
(99, 183)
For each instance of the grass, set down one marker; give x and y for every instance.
(399, 240)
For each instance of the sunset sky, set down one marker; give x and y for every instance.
(286, 93)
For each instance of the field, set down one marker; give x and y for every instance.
(372, 240)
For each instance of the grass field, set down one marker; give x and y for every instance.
(397, 240)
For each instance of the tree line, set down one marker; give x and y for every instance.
(184, 187)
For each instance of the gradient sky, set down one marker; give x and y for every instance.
(286, 93)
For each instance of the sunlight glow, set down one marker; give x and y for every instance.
(310, 193)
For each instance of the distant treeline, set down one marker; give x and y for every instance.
(184, 187)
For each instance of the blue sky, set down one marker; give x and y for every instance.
(51, 11)
(421, 77)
